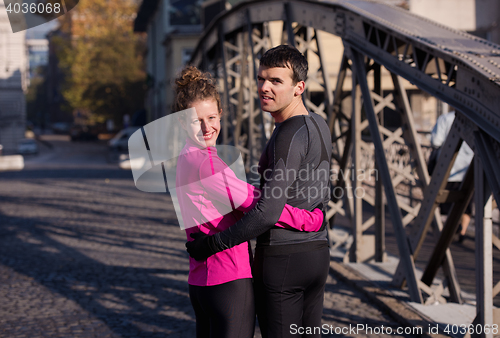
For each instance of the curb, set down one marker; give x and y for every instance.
(45, 143)
(400, 311)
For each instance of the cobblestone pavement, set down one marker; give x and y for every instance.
(83, 253)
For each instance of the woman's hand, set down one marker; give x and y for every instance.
(202, 246)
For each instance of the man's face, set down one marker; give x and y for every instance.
(276, 89)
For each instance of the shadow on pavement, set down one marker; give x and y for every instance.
(123, 263)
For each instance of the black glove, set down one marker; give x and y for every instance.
(320, 207)
(202, 247)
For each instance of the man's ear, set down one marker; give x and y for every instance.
(299, 88)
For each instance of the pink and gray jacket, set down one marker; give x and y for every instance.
(211, 199)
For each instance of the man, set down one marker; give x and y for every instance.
(290, 267)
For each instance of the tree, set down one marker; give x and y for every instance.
(36, 98)
(102, 59)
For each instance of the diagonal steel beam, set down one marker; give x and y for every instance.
(410, 135)
(420, 226)
(490, 162)
(449, 230)
(484, 247)
(255, 74)
(404, 250)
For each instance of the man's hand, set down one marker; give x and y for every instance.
(202, 247)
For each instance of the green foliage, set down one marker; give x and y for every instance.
(102, 59)
(36, 100)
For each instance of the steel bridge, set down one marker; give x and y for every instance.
(455, 67)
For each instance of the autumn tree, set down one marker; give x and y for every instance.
(102, 59)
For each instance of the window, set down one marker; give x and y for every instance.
(185, 12)
(186, 55)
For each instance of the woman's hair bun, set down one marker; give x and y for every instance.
(188, 75)
(192, 85)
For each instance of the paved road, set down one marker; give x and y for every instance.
(83, 253)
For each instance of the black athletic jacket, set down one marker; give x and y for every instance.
(295, 169)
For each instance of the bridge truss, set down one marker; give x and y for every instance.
(454, 67)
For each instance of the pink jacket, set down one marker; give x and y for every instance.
(211, 199)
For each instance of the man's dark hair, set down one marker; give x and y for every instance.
(285, 56)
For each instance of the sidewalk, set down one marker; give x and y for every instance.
(374, 279)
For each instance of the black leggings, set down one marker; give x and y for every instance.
(225, 310)
(289, 289)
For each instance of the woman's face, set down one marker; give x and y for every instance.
(203, 124)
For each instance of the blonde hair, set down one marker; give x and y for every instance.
(192, 85)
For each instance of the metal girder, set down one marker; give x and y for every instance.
(427, 212)
(244, 122)
(340, 128)
(397, 219)
(228, 64)
(487, 182)
(364, 247)
(423, 176)
(449, 230)
(356, 250)
(380, 254)
(349, 151)
(484, 256)
(457, 68)
(450, 75)
(258, 41)
(489, 152)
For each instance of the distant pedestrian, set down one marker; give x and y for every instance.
(462, 162)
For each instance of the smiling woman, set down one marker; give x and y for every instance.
(220, 288)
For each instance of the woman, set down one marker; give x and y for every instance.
(220, 288)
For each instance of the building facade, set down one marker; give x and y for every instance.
(173, 29)
(13, 84)
(38, 55)
(478, 17)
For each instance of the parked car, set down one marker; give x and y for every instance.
(27, 146)
(61, 128)
(83, 133)
(120, 141)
